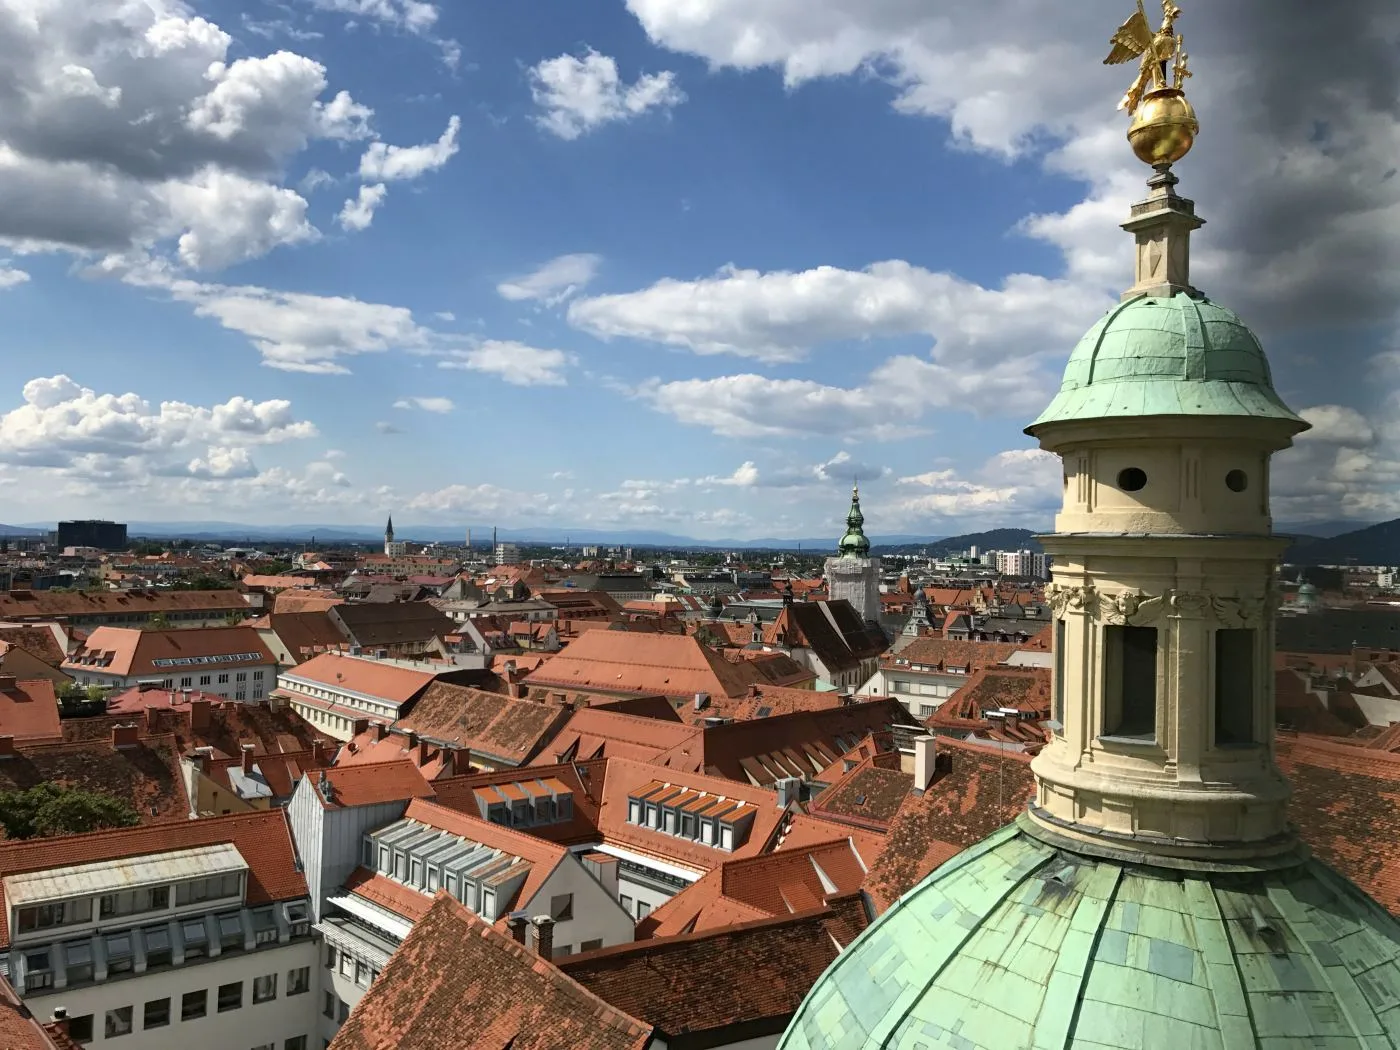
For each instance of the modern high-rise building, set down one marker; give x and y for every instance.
(104, 535)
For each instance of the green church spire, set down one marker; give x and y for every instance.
(854, 542)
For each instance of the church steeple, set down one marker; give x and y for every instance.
(391, 549)
(854, 542)
(389, 530)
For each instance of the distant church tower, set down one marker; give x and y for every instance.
(853, 574)
(392, 549)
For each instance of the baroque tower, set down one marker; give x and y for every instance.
(853, 574)
(1154, 895)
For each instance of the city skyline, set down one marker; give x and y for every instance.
(691, 274)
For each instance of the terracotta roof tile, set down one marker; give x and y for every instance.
(457, 982)
(507, 730)
(371, 784)
(625, 662)
(699, 985)
(29, 710)
(129, 651)
(20, 1030)
(392, 896)
(975, 791)
(602, 733)
(371, 677)
(35, 639)
(146, 777)
(49, 605)
(263, 838)
(869, 796)
(583, 779)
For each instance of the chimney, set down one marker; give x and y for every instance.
(424, 749)
(60, 1020)
(516, 923)
(410, 741)
(702, 701)
(7, 746)
(247, 759)
(544, 936)
(789, 790)
(321, 753)
(925, 759)
(323, 785)
(199, 714)
(715, 720)
(152, 719)
(8, 682)
(126, 736)
(359, 726)
(520, 691)
(202, 758)
(754, 691)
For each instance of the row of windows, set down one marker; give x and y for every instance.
(1130, 676)
(238, 676)
(157, 1013)
(686, 825)
(128, 902)
(357, 970)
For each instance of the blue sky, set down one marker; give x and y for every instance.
(671, 265)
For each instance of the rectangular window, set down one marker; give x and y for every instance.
(726, 837)
(299, 980)
(361, 974)
(230, 931)
(668, 817)
(119, 953)
(1130, 682)
(240, 695)
(1058, 711)
(264, 988)
(330, 957)
(80, 1028)
(643, 909)
(230, 996)
(1234, 686)
(156, 1014)
(223, 678)
(264, 926)
(415, 873)
(561, 908)
(707, 832)
(626, 902)
(328, 1007)
(344, 1011)
(257, 676)
(186, 682)
(194, 1005)
(157, 940)
(204, 679)
(241, 676)
(296, 1042)
(588, 946)
(118, 1022)
(347, 965)
(688, 825)
(78, 956)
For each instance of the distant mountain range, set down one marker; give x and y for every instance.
(1374, 545)
(992, 540)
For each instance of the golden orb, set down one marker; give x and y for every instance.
(1163, 128)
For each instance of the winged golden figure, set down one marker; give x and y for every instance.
(1135, 39)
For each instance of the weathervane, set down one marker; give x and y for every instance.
(1164, 123)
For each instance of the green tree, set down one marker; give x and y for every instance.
(47, 809)
(160, 622)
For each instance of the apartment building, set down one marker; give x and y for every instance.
(231, 662)
(166, 936)
(334, 690)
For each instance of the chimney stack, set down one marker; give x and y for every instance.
(7, 746)
(125, 736)
(202, 757)
(323, 785)
(247, 759)
(152, 719)
(544, 936)
(8, 682)
(410, 741)
(199, 714)
(321, 753)
(358, 726)
(424, 749)
(59, 1023)
(925, 759)
(516, 923)
(380, 731)
(702, 700)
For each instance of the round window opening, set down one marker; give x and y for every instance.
(1132, 479)
(1237, 481)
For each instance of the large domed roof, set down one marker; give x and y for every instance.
(1167, 355)
(1015, 944)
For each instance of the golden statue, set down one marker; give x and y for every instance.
(1164, 124)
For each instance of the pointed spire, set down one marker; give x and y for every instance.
(389, 528)
(854, 542)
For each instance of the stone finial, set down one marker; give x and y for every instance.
(1163, 224)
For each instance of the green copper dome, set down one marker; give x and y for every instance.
(1167, 356)
(854, 542)
(1015, 945)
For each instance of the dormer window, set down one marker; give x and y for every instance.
(726, 836)
(634, 811)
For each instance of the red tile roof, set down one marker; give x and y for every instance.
(673, 665)
(457, 982)
(392, 896)
(128, 651)
(371, 784)
(263, 838)
(20, 1030)
(29, 710)
(940, 654)
(377, 678)
(602, 733)
(39, 640)
(49, 605)
(975, 791)
(583, 779)
(869, 796)
(147, 777)
(506, 730)
(724, 985)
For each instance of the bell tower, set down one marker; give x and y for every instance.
(853, 574)
(1163, 589)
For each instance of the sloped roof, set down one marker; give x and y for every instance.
(975, 791)
(510, 730)
(831, 629)
(751, 977)
(146, 777)
(458, 982)
(600, 733)
(135, 651)
(38, 640)
(390, 623)
(674, 665)
(378, 678)
(305, 634)
(29, 710)
(56, 604)
(263, 839)
(21, 1030)
(583, 779)
(367, 785)
(943, 653)
(869, 796)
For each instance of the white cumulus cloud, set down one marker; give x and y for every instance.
(358, 212)
(516, 363)
(555, 281)
(382, 162)
(577, 94)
